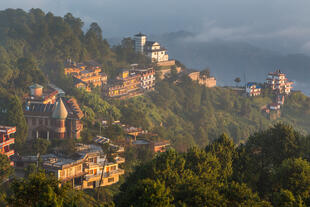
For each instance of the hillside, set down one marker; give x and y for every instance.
(192, 114)
(225, 150)
(185, 113)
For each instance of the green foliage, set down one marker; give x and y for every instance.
(194, 178)
(40, 146)
(11, 114)
(5, 168)
(38, 190)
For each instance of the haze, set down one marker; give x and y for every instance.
(282, 25)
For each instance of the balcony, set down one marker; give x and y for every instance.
(9, 153)
(105, 174)
(7, 142)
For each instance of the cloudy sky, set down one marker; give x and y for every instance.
(283, 24)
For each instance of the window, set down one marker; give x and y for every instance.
(89, 183)
(40, 121)
(46, 122)
(62, 173)
(111, 180)
(113, 168)
(78, 169)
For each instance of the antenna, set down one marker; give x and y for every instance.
(245, 82)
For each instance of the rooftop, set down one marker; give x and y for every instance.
(34, 86)
(139, 34)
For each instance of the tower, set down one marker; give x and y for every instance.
(59, 115)
(140, 40)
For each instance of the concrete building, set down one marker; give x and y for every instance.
(154, 146)
(6, 140)
(155, 52)
(150, 48)
(83, 170)
(86, 75)
(203, 79)
(147, 78)
(60, 119)
(140, 41)
(278, 82)
(39, 94)
(126, 85)
(253, 90)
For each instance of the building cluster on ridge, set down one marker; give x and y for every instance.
(151, 49)
(281, 87)
(86, 75)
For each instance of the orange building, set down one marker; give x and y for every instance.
(202, 79)
(39, 94)
(126, 85)
(6, 140)
(86, 75)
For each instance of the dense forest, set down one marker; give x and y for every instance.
(271, 169)
(244, 158)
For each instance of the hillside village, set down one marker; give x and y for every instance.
(51, 115)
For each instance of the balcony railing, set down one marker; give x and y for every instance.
(9, 153)
(105, 174)
(7, 142)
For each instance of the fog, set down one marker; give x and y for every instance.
(282, 25)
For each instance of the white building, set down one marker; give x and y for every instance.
(253, 90)
(140, 41)
(151, 49)
(156, 52)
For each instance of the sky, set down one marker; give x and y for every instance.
(274, 24)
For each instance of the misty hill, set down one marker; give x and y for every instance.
(230, 59)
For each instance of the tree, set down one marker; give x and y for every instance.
(205, 72)
(38, 190)
(223, 148)
(148, 192)
(237, 81)
(40, 145)
(5, 168)
(286, 198)
(294, 175)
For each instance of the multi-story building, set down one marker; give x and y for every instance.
(278, 82)
(150, 48)
(86, 75)
(202, 79)
(126, 85)
(39, 94)
(140, 41)
(6, 140)
(83, 171)
(155, 52)
(253, 90)
(147, 77)
(61, 119)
